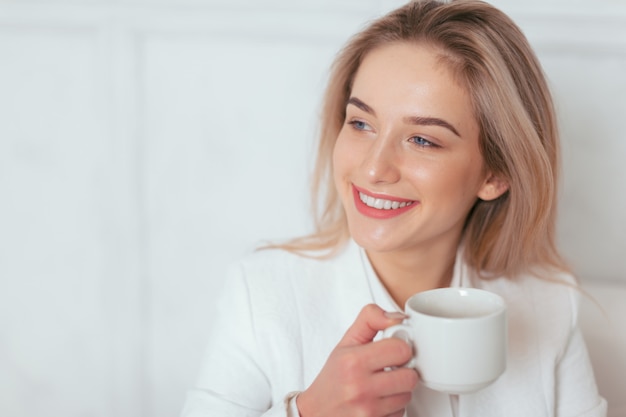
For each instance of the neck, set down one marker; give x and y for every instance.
(408, 272)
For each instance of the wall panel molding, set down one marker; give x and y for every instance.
(126, 133)
(585, 29)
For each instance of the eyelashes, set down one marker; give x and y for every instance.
(359, 125)
(423, 142)
(420, 141)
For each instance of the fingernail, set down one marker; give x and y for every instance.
(395, 315)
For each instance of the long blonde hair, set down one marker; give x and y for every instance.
(518, 134)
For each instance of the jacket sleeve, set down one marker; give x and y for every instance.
(576, 390)
(232, 381)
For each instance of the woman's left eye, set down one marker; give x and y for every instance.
(420, 141)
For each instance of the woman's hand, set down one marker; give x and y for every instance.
(353, 381)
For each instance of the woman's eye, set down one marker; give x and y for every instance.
(359, 125)
(420, 141)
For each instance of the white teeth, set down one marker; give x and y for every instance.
(382, 204)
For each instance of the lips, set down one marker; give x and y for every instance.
(377, 206)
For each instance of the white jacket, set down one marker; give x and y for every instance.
(280, 315)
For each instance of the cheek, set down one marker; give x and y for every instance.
(342, 158)
(428, 173)
(337, 168)
(466, 180)
(339, 163)
(449, 179)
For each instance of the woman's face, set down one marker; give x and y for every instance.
(407, 163)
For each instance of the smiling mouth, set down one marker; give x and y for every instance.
(381, 203)
(377, 207)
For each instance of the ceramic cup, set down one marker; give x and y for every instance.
(458, 336)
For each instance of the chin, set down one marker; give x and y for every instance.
(374, 243)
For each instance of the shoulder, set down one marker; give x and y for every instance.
(283, 293)
(291, 280)
(280, 267)
(542, 309)
(548, 292)
(553, 294)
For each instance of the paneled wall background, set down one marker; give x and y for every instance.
(144, 144)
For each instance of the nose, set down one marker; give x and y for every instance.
(382, 163)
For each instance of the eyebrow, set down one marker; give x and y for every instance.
(358, 103)
(414, 120)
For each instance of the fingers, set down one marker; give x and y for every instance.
(385, 393)
(368, 323)
(395, 382)
(394, 405)
(384, 384)
(363, 365)
(399, 413)
(353, 380)
(383, 354)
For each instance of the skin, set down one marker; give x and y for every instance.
(434, 161)
(409, 136)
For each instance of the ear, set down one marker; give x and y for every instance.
(493, 187)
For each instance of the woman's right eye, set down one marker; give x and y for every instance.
(359, 125)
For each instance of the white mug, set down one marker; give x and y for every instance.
(458, 336)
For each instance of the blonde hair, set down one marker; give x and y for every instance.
(518, 134)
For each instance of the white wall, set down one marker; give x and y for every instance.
(145, 144)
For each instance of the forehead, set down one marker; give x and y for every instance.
(414, 79)
(406, 64)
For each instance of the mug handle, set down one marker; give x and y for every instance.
(402, 332)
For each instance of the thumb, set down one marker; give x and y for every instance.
(368, 323)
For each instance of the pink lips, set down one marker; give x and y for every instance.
(379, 213)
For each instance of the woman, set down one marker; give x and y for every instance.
(437, 166)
